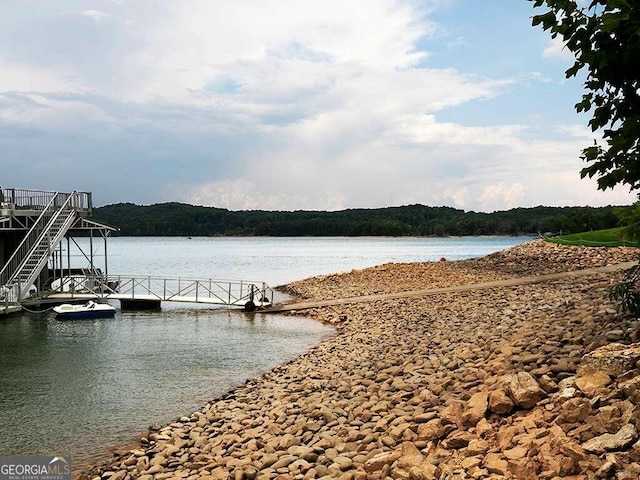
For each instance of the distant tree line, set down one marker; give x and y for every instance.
(178, 219)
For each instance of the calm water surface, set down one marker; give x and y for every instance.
(81, 387)
(281, 260)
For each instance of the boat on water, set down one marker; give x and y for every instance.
(90, 309)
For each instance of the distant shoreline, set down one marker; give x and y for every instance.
(524, 235)
(176, 219)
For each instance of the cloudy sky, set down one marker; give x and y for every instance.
(291, 104)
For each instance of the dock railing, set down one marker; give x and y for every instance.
(22, 199)
(241, 293)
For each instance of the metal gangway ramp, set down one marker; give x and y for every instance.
(131, 288)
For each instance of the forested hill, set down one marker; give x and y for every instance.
(177, 219)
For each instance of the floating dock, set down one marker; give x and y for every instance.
(37, 229)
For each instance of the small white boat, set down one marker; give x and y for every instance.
(90, 309)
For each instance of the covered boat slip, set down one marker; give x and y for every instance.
(35, 228)
(42, 262)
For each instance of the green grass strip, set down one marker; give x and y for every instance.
(611, 237)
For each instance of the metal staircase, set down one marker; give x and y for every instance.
(32, 255)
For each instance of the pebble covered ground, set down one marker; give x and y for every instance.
(528, 259)
(490, 384)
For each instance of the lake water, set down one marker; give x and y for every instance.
(277, 261)
(81, 387)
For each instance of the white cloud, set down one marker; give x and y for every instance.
(500, 196)
(425, 129)
(21, 77)
(455, 197)
(279, 105)
(96, 15)
(457, 42)
(557, 49)
(196, 41)
(474, 168)
(577, 131)
(535, 77)
(247, 195)
(239, 194)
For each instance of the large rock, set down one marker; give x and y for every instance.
(484, 428)
(476, 408)
(613, 359)
(524, 390)
(457, 440)
(563, 446)
(377, 462)
(500, 402)
(611, 442)
(425, 471)
(591, 383)
(574, 410)
(631, 389)
(158, 459)
(219, 473)
(477, 446)
(516, 453)
(411, 458)
(432, 430)
(452, 414)
(523, 469)
(496, 463)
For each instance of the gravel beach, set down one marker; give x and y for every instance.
(520, 382)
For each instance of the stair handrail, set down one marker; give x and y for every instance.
(69, 205)
(27, 272)
(33, 235)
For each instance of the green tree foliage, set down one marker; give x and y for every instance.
(627, 293)
(630, 218)
(177, 219)
(604, 36)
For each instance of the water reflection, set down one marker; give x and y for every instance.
(84, 384)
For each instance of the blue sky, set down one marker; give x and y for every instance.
(291, 104)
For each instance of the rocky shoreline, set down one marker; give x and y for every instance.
(525, 382)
